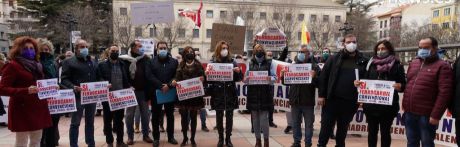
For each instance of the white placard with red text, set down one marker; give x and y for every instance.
(298, 74)
(258, 78)
(47, 88)
(376, 92)
(121, 99)
(64, 103)
(190, 88)
(220, 72)
(94, 92)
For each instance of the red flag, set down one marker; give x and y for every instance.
(193, 15)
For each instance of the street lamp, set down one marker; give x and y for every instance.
(70, 21)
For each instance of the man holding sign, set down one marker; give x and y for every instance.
(76, 70)
(337, 93)
(114, 71)
(302, 94)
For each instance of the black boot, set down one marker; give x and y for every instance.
(184, 142)
(228, 127)
(228, 142)
(220, 127)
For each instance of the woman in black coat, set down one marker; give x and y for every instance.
(189, 68)
(223, 94)
(260, 97)
(383, 66)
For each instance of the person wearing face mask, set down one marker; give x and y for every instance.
(325, 55)
(136, 65)
(113, 70)
(28, 115)
(427, 94)
(50, 71)
(189, 68)
(259, 98)
(302, 99)
(223, 94)
(337, 92)
(383, 66)
(76, 70)
(161, 73)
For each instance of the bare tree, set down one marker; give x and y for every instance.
(247, 13)
(323, 33)
(122, 30)
(411, 34)
(283, 18)
(175, 33)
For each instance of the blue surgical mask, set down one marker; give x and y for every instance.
(163, 53)
(301, 56)
(84, 52)
(141, 51)
(424, 53)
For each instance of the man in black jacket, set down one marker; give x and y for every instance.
(160, 73)
(113, 71)
(337, 93)
(76, 70)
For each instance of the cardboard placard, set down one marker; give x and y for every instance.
(232, 34)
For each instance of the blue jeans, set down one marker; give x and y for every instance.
(203, 117)
(144, 111)
(307, 112)
(418, 128)
(90, 110)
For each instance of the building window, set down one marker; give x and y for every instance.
(446, 11)
(196, 33)
(209, 13)
(384, 34)
(138, 32)
(385, 24)
(123, 11)
(223, 14)
(325, 18)
(312, 36)
(380, 34)
(11, 14)
(276, 16)
(208, 33)
(236, 14)
(325, 37)
(381, 24)
(11, 3)
(436, 13)
(434, 26)
(124, 31)
(263, 15)
(249, 15)
(445, 25)
(167, 32)
(250, 34)
(313, 18)
(288, 17)
(299, 35)
(338, 18)
(153, 32)
(1, 34)
(20, 15)
(181, 33)
(301, 17)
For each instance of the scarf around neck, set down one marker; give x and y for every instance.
(132, 66)
(31, 66)
(384, 64)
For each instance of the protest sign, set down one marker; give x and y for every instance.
(220, 72)
(258, 78)
(232, 34)
(376, 92)
(298, 74)
(64, 103)
(121, 99)
(94, 92)
(190, 88)
(148, 46)
(150, 13)
(47, 88)
(276, 68)
(271, 39)
(75, 36)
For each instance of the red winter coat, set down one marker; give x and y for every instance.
(25, 112)
(429, 87)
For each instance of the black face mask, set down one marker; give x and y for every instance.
(44, 55)
(259, 54)
(114, 56)
(190, 56)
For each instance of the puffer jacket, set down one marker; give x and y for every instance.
(429, 87)
(185, 72)
(304, 94)
(396, 74)
(223, 94)
(259, 97)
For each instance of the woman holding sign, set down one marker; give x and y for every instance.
(383, 66)
(28, 115)
(260, 95)
(223, 92)
(189, 68)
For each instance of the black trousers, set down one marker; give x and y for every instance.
(186, 117)
(49, 137)
(115, 119)
(376, 122)
(270, 115)
(228, 123)
(340, 112)
(156, 116)
(457, 133)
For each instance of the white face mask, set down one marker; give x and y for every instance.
(351, 47)
(224, 53)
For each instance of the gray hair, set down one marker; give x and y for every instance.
(45, 42)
